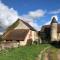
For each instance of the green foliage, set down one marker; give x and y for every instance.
(22, 53)
(29, 42)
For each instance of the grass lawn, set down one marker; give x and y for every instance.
(22, 53)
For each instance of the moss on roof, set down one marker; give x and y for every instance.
(13, 25)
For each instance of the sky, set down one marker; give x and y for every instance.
(35, 12)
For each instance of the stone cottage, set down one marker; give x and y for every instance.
(19, 33)
(50, 33)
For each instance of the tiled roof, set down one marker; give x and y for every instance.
(45, 27)
(27, 24)
(18, 34)
(15, 24)
(48, 27)
(58, 28)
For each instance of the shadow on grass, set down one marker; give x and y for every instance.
(55, 44)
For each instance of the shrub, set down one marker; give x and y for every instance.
(35, 42)
(29, 42)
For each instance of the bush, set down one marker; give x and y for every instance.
(29, 42)
(35, 42)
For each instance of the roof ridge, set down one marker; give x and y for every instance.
(12, 26)
(27, 24)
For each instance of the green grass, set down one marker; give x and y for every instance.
(22, 53)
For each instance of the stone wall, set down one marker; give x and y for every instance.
(59, 36)
(54, 32)
(21, 25)
(34, 35)
(10, 44)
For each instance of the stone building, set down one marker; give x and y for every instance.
(50, 33)
(19, 33)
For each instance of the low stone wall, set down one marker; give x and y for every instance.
(5, 45)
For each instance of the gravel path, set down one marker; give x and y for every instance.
(45, 56)
(49, 54)
(41, 53)
(58, 54)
